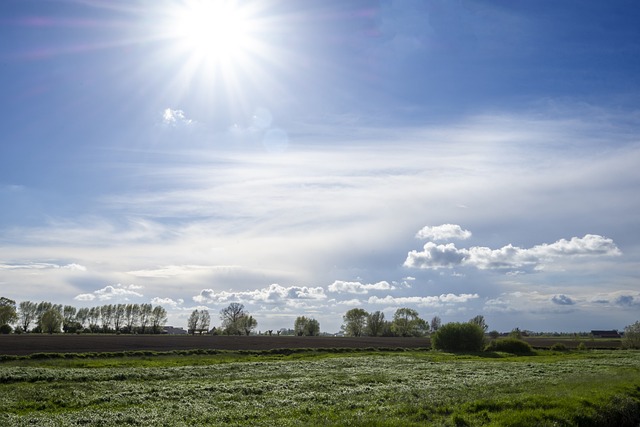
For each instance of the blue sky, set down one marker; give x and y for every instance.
(305, 158)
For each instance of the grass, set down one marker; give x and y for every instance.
(324, 388)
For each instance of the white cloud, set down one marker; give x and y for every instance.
(429, 301)
(173, 117)
(167, 302)
(274, 294)
(436, 256)
(110, 292)
(443, 232)
(340, 286)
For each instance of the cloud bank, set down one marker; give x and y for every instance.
(435, 256)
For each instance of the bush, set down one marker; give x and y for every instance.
(582, 346)
(5, 329)
(559, 347)
(458, 337)
(510, 345)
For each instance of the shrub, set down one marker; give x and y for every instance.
(559, 347)
(510, 345)
(582, 346)
(5, 329)
(458, 337)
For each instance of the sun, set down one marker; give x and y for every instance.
(213, 31)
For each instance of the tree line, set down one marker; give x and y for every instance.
(47, 317)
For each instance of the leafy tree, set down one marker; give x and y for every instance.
(407, 323)
(131, 316)
(375, 324)
(145, 316)
(27, 311)
(479, 320)
(458, 337)
(118, 316)
(106, 317)
(8, 312)
(304, 326)
(51, 321)
(5, 329)
(230, 317)
(69, 318)
(436, 322)
(632, 336)
(94, 318)
(355, 321)
(158, 318)
(82, 316)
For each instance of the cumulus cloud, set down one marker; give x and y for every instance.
(435, 256)
(562, 300)
(110, 292)
(272, 295)
(340, 286)
(428, 301)
(443, 232)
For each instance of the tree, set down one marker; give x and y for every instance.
(632, 336)
(158, 318)
(204, 321)
(193, 322)
(131, 316)
(94, 318)
(355, 321)
(407, 323)
(459, 337)
(106, 317)
(436, 322)
(375, 324)
(27, 314)
(82, 316)
(8, 312)
(231, 316)
(51, 321)
(479, 320)
(118, 316)
(246, 324)
(145, 316)
(304, 326)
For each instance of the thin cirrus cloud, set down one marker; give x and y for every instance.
(435, 256)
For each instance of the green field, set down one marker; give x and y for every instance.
(323, 388)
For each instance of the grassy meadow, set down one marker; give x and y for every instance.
(310, 388)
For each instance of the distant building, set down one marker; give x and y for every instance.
(171, 330)
(605, 334)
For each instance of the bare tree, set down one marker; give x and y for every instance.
(436, 322)
(231, 316)
(479, 320)
(145, 316)
(204, 319)
(118, 316)
(27, 313)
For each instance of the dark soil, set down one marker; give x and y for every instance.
(95, 343)
(26, 344)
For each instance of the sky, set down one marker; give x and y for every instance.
(305, 158)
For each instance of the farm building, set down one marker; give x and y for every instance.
(605, 334)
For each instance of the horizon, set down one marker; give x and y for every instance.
(457, 158)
